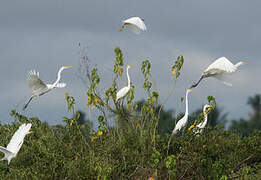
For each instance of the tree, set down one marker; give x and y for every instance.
(245, 127)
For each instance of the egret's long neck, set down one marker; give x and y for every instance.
(128, 77)
(58, 77)
(186, 112)
(238, 64)
(205, 119)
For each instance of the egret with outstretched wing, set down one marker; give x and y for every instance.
(16, 142)
(219, 69)
(39, 88)
(135, 24)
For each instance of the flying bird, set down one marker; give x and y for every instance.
(39, 87)
(123, 91)
(135, 24)
(219, 69)
(16, 142)
(206, 110)
(184, 120)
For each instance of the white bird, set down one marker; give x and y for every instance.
(183, 121)
(39, 88)
(16, 142)
(202, 125)
(123, 91)
(219, 69)
(135, 24)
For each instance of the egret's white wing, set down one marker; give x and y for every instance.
(34, 82)
(180, 124)
(18, 138)
(4, 150)
(223, 78)
(135, 24)
(122, 92)
(222, 64)
(134, 28)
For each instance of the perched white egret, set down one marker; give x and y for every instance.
(39, 88)
(184, 120)
(16, 142)
(135, 24)
(202, 125)
(219, 69)
(123, 91)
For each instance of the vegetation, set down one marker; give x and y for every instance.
(136, 146)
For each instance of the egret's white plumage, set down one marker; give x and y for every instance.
(219, 69)
(135, 24)
(15, 143)
(39, 87)
(202, 125)
(184, 120)
(123, 91)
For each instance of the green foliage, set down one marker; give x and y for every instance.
(177, 66)
(212, 101)
(60, 152)
(145, 69)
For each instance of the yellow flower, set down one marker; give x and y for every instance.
(173, 73)
(71, 122)
(93, 138)
(99, 133)
(191, 127)
(96, 100)
(151, 178)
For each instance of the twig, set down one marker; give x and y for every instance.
(249, 157)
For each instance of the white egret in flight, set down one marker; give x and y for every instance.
(123, 91)
(16, 142)
(135, 24)
(219, 69)
(39, 88)
(202, 125)
(183, 121)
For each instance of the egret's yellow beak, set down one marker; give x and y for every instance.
(30, 132)
(191, 127)
(67, 66)
(245, 62)
(191, 90)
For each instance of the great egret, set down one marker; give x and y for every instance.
(123, 91)
(135, 24)
(39, 88)
(183, 121)
(219, 69)
(202, 125)
(16, 142)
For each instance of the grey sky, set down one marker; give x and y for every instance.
(43, 35)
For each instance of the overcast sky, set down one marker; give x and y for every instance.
(43, 35)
